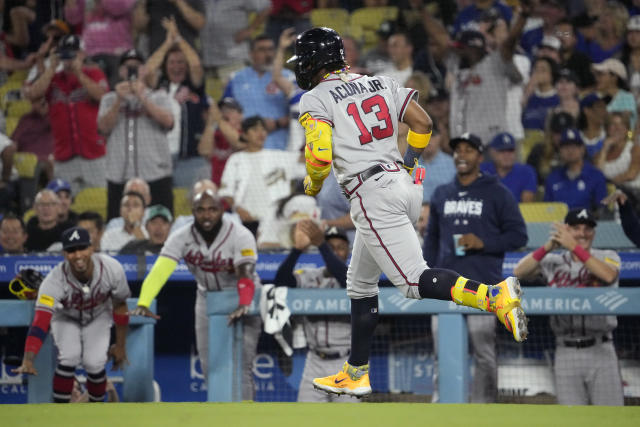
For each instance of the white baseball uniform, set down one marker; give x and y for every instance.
(213, 267)
(586, 365)
(83, 312)
(364, 113)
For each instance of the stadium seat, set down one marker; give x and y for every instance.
(10, 92)
(91, 199)
(543, 211)
(11, 123)
(28, 169)
(365, 22)
(532, 137)
(181, 205)
(336, 18)
(26, 164)
(214, 87)
(18, 108)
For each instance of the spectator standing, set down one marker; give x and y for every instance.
(13, 235)
(619, 158)
(33, 135)
(611, 81)
(577, 182)
(480, 81)
(158, 225)
(328, 337)
(74, 94)
(66, 217)
(255, 178)
(136, 119)
(571, 57)
(469, 17)
(182, 76)
(567, 90)
(189, 16)
(253, 87)
(107, 30)
(43, 228)
(377, 58)
(439, 166)
(94, 224)
(400, 48)
(593, 113)
(586, 365)
(520, 179)
(226, 34)
(473, 221)
(551, 12)
(540, 95)
(286, 14)
(132, 209)
(607, 38)
(221, 135)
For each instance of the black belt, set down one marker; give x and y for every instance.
(331, 356)
(584, 342)
(368, 173)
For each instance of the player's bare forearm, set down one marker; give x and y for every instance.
(526, 267)
(121, 309)
(417, 119)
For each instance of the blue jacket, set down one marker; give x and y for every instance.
(485, 208)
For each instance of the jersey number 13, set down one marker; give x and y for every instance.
(382, 114)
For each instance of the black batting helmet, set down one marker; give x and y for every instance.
(314, 49)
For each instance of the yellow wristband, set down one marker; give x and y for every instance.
(418, 140)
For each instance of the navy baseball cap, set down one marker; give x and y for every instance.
(337, 233)
(503, 142)
(471, 38)
(571, 136)
(561, 121)
(591, 98)
(75, 237)
(567, 74)
(230, 102)
(131, 54)
(470, 139)
(57, 185)
(580, 216)
(69, 46)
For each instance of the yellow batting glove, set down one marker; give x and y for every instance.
(311, 187)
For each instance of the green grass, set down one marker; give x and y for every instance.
(309, 415)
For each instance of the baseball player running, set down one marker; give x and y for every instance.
(586, 365)
(221, 255)
(80, 299)
(351, 123)
(328, 337)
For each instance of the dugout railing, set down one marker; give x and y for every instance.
(225, 349)
(137, 374)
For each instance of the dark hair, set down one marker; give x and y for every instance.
(135, 194)
(250, 122)
(405, 34)
(95, 217)
(258, 38)
(553, 65)
(11, 215)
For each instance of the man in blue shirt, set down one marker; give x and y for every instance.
(254, 89)
(473, 221)
(577, 183)
(520, 179)
(438, 165)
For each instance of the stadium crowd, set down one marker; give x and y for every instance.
(113, 111)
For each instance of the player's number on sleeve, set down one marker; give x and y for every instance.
(382, 114)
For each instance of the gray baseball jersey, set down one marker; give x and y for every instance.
(364, 112)
(213, 266)
(560, 270)
(61, 293)
(327, 334)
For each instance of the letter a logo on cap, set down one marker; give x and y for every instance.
(583, 214)
(74, 236)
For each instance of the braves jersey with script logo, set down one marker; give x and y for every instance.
(213, 266)
(364, 113)
(561, 271)
(324, 333)
(62, 293)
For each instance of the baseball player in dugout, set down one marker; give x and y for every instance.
(221, 255)
(328, 337)
(586, 365)
(473, 221)
(80, 299)
(351, 124)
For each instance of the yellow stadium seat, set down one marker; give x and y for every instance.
(181, 205)
(11, 123)
(543, 211)
(91, 199)
(10, 92)
(260, 30)
(365, 22)
(18, 108)
(26, 164)
(335, 18)
(214, 87)
(19, 76)
(532, 137)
